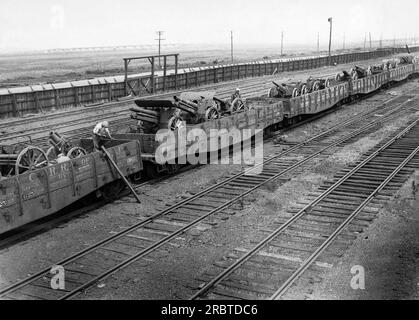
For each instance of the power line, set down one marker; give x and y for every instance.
(344, 36)
(318, 42)
(232, 49)
(160, 33)
(330, 20)
(282, 43)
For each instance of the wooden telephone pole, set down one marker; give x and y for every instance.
(282, 43)
(160, 33)
(232, 48)
(330, 40)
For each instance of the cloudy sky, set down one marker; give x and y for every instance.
(77, 23)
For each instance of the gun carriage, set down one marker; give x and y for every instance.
(190, 107)
(61, 146)
(15, 160)
(286, 90)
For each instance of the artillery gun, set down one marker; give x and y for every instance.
(189, 107)
(60, 146)
(229, 107)
(312, 85)
(286, 90)
(376, 69)
(292, 90)
(15, 160)
(406, 59)
(358, 73)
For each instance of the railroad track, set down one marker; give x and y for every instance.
(274, 264)
(97, 262)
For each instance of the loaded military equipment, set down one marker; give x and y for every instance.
(15, 160)
(358, 73)
(292, 90)
(285, 90)
(60, 146)
(190, 107)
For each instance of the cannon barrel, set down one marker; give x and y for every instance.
(187, 106)
(55, 137)
(281, 88)
(145, 115)
(4, 157)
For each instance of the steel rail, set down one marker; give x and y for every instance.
(297, 216)
(306, 264)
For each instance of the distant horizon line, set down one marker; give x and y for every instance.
(11, 50)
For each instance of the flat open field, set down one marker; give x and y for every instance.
(41, 68)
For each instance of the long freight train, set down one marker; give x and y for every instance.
(35, 184)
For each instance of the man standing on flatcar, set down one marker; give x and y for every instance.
(101, 135)
(235, 95)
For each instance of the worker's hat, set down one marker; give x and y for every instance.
(105, 124)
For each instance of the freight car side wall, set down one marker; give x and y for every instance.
(40, 193)
(20, 101)
(269, 111)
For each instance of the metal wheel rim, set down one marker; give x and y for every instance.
(31, 158)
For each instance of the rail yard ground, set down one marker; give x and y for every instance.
(386, 246)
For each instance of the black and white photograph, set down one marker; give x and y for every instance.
(216, 157)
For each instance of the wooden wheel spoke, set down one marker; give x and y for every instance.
(38, 158)
(29, 159)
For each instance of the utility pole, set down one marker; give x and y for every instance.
(282, 43)
(318, 42)
(330, 41)
(160, 33)
(344, 41)
(232, 52)
(370, 41)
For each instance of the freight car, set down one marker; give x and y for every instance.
(44, 190)
(40, 192)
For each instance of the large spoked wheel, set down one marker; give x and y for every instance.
(76, 152)
(175, 123)
(304, 90)
(212, 114)
(316, 86)
(354, 75)
(295, 93)
(52, 154)
(237, 106)
(30, 158)
(272, 93)
(327, 84)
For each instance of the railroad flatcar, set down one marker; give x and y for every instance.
(41, 192)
